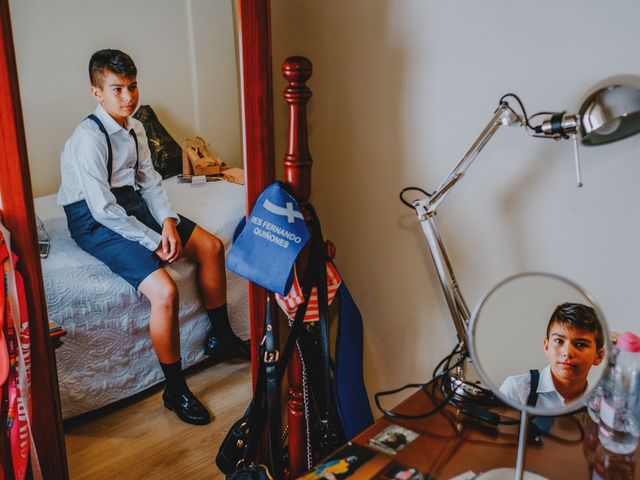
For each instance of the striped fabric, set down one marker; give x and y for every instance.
(289, 303)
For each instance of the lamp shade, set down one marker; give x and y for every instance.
(609, 114)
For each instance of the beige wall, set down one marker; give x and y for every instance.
(401, 90)
(186, 58)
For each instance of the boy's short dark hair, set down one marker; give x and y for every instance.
(115, 61)
(579, 316)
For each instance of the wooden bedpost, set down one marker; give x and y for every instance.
(254, 27)
(297, 174)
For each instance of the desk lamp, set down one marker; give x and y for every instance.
(607, 115)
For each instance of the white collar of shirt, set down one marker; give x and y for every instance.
(546, 385)
(107, 120)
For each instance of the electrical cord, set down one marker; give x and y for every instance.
(431, 382)
(473, 404)
(524, 112)
(488, 399)
(408, 189)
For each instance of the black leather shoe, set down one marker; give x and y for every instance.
(187, 407)
(222, 348)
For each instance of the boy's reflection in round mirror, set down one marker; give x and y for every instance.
(573, 344)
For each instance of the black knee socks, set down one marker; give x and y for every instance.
(219, 319)
(176, 383)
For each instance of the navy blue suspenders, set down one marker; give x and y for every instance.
(533, 391)
(110, 153)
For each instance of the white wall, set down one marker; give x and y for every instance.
(401, 90)
(54, 41)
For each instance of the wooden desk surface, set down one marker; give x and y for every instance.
(449, 444)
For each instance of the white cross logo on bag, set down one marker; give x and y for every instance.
(288, 212)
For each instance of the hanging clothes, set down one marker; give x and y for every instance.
(15, 358)
(289, 303)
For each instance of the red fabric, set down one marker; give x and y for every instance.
(4, 355)
(294, 298)
(17, 415)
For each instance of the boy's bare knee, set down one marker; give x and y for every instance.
(168, 293)
(160, 289)
(216, 247)
(210, 245)
(203, 246)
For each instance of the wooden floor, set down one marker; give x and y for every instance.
(144, 440)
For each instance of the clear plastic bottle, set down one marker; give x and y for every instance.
(619, 429)
(590, 442)
(613, 466)
(595, 397)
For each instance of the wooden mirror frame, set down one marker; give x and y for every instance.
(17, 211)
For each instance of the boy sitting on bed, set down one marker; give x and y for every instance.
(118, 212)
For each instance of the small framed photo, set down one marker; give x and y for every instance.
(392, 439)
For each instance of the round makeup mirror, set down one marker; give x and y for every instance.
(538, 329)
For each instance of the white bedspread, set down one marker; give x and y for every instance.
(107, 353)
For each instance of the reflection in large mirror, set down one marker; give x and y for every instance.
(188, 74)
(539, 342)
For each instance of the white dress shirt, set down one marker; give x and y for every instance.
(83, 165)
(517, 388)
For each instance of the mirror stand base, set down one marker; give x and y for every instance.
(506, 474)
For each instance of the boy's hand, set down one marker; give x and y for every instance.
(170, 248)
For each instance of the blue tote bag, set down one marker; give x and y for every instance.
(273, 236)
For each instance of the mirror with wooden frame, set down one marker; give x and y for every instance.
(16, 195)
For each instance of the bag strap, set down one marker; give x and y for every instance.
(320, 367)
(257, 414)
(273, 364)
(272, 385)
(533, 390)
(319, 260)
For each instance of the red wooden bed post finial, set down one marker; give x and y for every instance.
(297, 159)
(297, 174)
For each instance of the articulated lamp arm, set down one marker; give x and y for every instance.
(504, 115)
(426, 210)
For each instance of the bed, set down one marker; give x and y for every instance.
(107, 353)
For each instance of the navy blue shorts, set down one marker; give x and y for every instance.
(127, 258)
